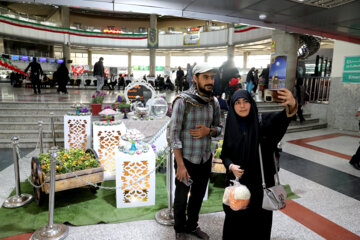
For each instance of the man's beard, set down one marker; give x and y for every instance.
(204, 91)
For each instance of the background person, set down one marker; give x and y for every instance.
(240, 155)
(99, 73)
(61, 76)
(36, 71)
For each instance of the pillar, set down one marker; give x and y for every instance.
(207, 27)
(51, 51)
(153, 25)
(65, 21)
(206, 56)
(90, 64)
(230, 44)
(152, 61)
(168, 60)
(2, 47)
(246, 54)
(129, 63)
(287, 44)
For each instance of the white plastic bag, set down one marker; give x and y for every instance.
(236, 196)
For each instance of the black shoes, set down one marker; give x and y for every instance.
(200, 234)
(180, 236)
(356, 165)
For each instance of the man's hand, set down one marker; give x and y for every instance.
(199, 132)
(287, 98)
(182, 173)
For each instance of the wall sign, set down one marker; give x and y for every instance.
(351, 72)
(192, 38)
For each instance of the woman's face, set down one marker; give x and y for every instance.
(242, 107)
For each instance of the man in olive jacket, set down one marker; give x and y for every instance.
(99, 73)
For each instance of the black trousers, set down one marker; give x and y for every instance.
(62, 87)
(356, 158)
(200, 174)
(35, 81)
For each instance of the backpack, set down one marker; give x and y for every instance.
(186, 112)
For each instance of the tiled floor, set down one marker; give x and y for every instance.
(314, 163)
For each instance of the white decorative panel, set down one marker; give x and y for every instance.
(106, 140)
(135, 179)
(77, 131)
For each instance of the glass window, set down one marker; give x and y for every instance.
(258, 61)
(160, 61)
(111, 60)
(239, 61)
(182, 61)
(216, 61)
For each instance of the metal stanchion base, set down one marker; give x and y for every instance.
(57, 232)
(165, 217)
(18, 201)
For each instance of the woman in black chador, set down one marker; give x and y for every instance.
(243, 133)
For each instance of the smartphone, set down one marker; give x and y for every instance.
(189, 181)
(275, 96)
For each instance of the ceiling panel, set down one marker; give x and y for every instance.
(271, 6)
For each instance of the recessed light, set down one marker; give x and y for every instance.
(262, 16)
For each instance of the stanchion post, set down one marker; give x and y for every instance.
(53, 128)
(19, 199)
(52, 231)
(41, 136)
(166, 216)
(170, 165)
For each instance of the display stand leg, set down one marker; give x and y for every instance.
(53, 231)
(41, 136)
(166, 216)
(53, 128)
(19, 199)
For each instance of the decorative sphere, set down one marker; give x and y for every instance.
(158, 107)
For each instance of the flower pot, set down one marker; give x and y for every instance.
(96, 108)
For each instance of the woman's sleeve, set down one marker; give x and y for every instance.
(274, 126)
(225, 155)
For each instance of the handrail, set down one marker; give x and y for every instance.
(318, 89)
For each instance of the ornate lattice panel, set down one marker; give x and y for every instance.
(77, 131)
(106, 142)
(135, 179)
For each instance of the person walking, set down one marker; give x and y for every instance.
(195, 119)
(36, 71)
(189, 75)
(250, 81)
(355, 159)
(179, 79)
(61, 76)
(99, 73)
(299, 94)
(244, 131)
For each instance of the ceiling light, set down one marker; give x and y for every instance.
(262, 16)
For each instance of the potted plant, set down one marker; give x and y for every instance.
(161, 161)
(96, 102)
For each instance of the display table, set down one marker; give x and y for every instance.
(147, 127)
(106, 139)
(132, 167)
(77, 131)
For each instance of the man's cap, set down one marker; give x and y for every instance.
(202, 68)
